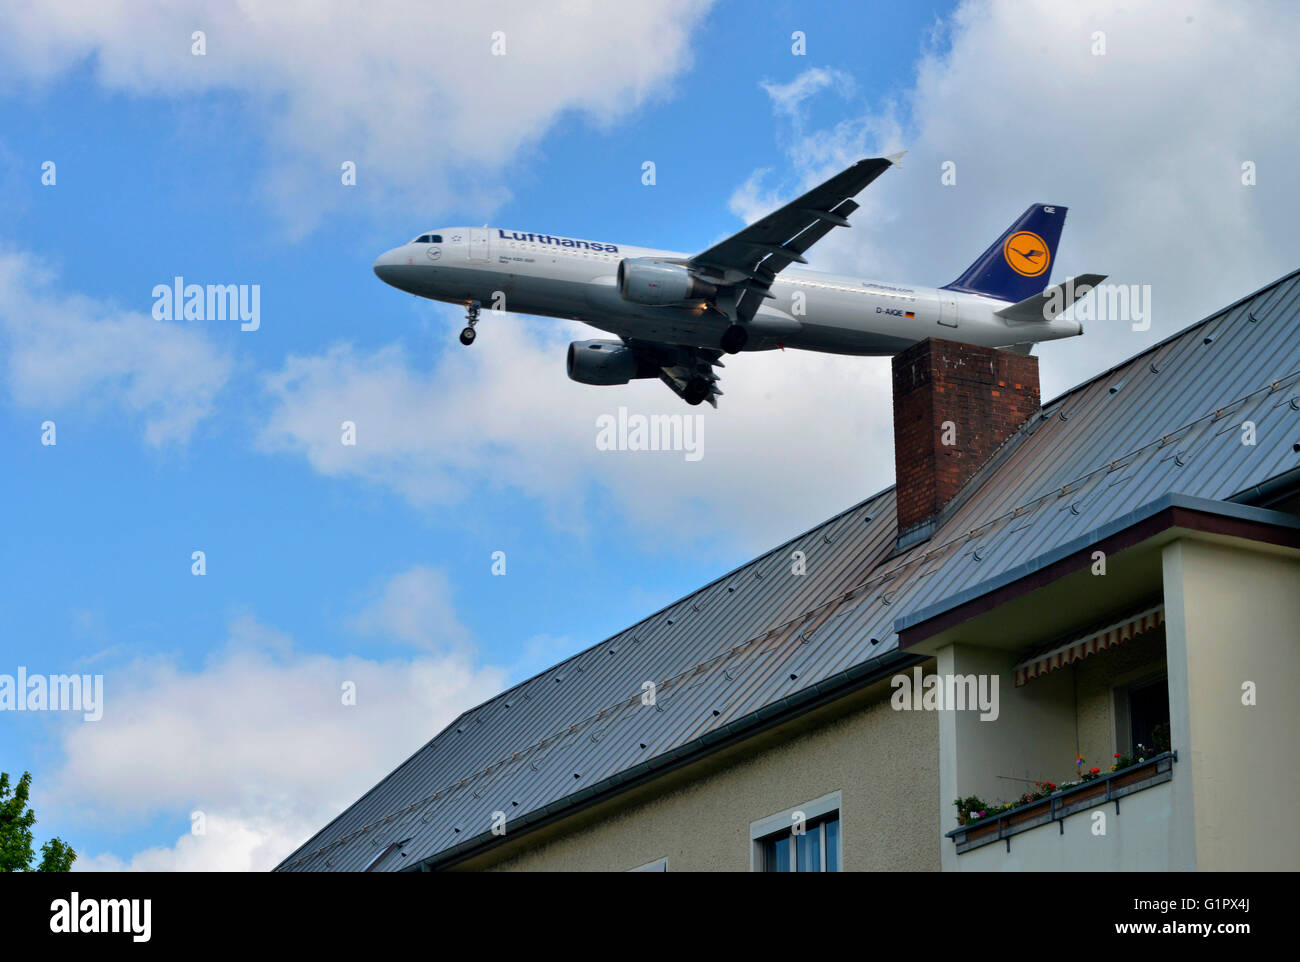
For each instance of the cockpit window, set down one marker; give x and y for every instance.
(428, 239)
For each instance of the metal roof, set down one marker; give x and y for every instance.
(760, 639)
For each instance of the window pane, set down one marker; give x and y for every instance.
(435, 238)
(833, 845)
(809, 845)
(776, 854)
(1148, 710)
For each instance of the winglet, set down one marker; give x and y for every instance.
(895, 158)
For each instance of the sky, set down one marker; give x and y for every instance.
(227, 737)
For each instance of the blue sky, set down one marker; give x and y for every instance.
(177, 436)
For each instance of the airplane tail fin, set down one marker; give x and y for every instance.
(1018, 264)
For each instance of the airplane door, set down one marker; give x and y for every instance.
(947, 310)
(478, 244)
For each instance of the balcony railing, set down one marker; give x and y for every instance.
(1069, 801)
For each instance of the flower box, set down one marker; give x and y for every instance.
(1064, 802)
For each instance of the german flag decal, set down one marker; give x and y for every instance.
(910, 314)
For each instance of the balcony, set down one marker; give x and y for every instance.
(1145, 832)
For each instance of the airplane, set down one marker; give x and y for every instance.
(675, 315)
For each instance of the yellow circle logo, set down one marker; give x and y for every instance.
(1026, 253)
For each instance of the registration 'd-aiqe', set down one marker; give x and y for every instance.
(674, 315)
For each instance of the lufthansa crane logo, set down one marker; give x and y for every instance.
(1026, 253)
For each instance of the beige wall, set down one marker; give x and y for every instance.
(1231, 618)
(1032, 737)
(883, 762)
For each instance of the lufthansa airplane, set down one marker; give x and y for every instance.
(675, 314)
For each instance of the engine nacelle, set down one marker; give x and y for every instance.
(645, 281)
(604, 362)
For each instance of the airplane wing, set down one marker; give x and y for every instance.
(747, 262)
(684, 369)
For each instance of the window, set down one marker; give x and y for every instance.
(428, 239)
(1142, 713)
(776, 847)
(816, 850)
(1148, 715)
(658, 865)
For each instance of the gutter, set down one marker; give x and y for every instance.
(1271, 491)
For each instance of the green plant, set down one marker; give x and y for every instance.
(973, 808)
(16, 821)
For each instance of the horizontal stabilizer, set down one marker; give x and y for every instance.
(1053, 301)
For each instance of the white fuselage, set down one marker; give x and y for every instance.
(561, 277)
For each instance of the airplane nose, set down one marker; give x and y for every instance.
(386, 266)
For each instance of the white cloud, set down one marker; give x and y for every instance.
(409, 90)
(503, 415)
(64, 349)
(788, 97)
(257, 727)
(259, 739)
(229, 843)
(415, 607)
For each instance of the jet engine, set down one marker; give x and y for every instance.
(645, 281)
(606, 362)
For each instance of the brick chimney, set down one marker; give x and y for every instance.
(954, 405)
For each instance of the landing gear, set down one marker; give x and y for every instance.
(734, 339)
(471, 317)
(696, 392)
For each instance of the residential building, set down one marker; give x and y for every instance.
(1111, 576)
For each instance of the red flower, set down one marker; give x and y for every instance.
(1094, 771)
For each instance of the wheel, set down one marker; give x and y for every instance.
(734, 339)
(467, 336)
(696, 392)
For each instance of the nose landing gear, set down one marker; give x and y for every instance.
(471, 318)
